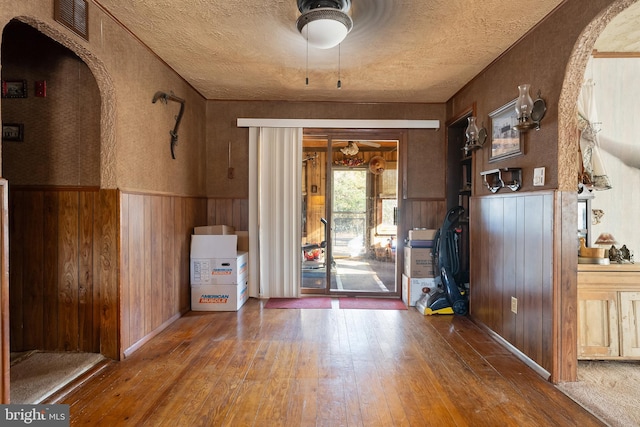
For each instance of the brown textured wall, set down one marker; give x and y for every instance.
(539, 59)
(134, 132)
(133, 143)
(425, 147)
(551, 58)
(61, 143)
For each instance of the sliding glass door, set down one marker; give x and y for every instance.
(349, 216)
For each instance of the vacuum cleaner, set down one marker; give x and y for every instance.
(448, 297)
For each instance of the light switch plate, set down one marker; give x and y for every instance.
(538, 177)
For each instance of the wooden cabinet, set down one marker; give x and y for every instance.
(609, 311)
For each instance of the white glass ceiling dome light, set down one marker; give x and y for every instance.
(324, 23)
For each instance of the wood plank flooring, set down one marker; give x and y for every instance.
(291, 367)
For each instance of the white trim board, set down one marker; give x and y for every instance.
(339, 123)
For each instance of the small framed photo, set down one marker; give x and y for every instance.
(505, 140)
(12, 131)
(14, 88)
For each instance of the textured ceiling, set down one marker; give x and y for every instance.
(398, 51)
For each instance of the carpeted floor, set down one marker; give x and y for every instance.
(37, 375)
(608, 389)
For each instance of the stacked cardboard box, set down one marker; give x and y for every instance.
(418, 265)
(219, 271)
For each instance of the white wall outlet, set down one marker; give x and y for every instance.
(538, 177)
(514, 305)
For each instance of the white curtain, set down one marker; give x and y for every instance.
(275, 194)
(594, 176)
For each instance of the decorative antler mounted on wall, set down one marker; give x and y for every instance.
(164, 97)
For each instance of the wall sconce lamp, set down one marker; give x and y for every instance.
(474, 137)
(529, 112)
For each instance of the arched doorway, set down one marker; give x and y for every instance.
(55, 168)
(567, 125)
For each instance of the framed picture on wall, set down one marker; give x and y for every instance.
(12, 131)
(14, 88)
(505, 140)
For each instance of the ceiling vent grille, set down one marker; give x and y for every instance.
(73, 14)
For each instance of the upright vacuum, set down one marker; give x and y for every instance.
(448, 298)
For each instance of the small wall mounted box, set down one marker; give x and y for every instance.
(538, 177)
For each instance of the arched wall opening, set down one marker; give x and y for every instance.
(60, 227)
(574, 77)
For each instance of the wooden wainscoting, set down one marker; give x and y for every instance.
(62, 241)
(233, 212)
(155, 234)
(512, 244)
(416, 213)
(422, 214)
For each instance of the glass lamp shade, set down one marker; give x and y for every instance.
(324, 28)
(472, 131)
(524, 104)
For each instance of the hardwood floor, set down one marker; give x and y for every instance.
(290, 367)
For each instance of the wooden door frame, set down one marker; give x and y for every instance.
(374, 133)
(5, 353)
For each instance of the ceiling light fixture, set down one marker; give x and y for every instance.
(324, 23)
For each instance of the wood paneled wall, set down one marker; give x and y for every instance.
(416, 213)
(97, 270)
(156, 236)
(512, 244)
(229, 211)
(421, 214)
(62, 242)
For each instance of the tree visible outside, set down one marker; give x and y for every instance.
(350, 190)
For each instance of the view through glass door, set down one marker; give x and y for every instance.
(349, 216)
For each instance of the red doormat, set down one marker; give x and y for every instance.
(373, 303)
(309, 302)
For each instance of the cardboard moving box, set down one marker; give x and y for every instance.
(219, 297)
(418, 262)
(219, 271)
(422, 234)
(412, 288)
(215, 260)
(243, 236)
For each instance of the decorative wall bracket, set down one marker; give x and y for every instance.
(164, 97)
(495, 179)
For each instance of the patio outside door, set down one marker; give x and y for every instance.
(349, 217)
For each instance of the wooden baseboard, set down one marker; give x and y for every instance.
(129, 351)
(520, 355)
